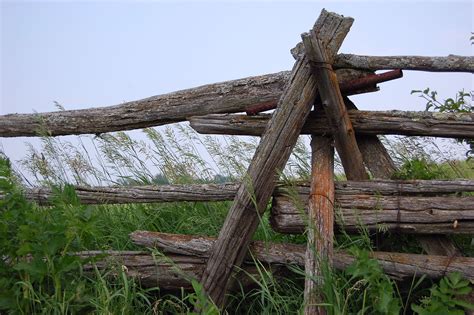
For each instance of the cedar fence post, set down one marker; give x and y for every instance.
(319, 250)
(321, 213)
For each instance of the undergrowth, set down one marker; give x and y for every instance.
(38, 273)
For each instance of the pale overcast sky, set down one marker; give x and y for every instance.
(97, 53)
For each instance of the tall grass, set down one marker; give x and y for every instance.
(179, 156)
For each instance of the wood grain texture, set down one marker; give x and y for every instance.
(140, 194)
(225, 97)
(376, 157)
(451, 63)
(201, 246)
(373, 194)
(404, 214)
(172, 272)
(227, 191)
(430, 124)
(320, 228)
(334, 107)
(396, 265)
(385, 187)
(269, 160)
(381, 165)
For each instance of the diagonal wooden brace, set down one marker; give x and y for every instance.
(334, 107)
(273, 152)
(381, 165)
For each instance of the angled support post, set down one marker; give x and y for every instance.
(381, 165)
(375, 155)
(273, 152)
(334, 107)
(346, 144)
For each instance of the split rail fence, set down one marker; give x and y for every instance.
(431, 209)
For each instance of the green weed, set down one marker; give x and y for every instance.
(37, 275)
(446, 298)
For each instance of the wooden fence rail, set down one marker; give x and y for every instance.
(227, 191)
(397, 265)
(173, 272)
(418, 206)
(430, 124)
(389, 206)
(224, 97)
(451, 63)
(412, 215)
(270, 158)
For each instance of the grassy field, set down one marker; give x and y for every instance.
(39, 276)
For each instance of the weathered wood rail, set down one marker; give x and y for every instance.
(141, 194)
(271, 155)
(320, 228)
(405, 214)
(225, 97)
(174, 271)
(451, 63)
(430, 124)
(397, 265)
(397, 206)
(333, 105)
(416, 206)
(227, 191)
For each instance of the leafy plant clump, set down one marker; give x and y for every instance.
(35, 243)
(461, 103)
(419, 168)
(445, 298)
(378, 294)
(39, 272)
